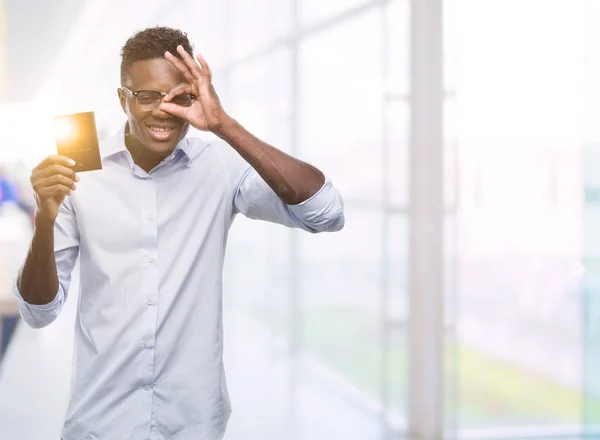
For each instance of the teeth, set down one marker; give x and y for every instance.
(160, 129)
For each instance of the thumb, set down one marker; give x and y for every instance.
(174, 109)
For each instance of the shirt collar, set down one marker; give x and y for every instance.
(116, 145)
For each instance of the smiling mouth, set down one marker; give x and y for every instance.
(161, 133)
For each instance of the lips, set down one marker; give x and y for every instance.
(161, 133)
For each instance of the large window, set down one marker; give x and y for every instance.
(335, 91)
(519, 100)
(336, 97)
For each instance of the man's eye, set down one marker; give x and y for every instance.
(146, 97)
(182, 99)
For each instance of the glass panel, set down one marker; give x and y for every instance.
(451, 269)
(340, 286)
(592, 71)
(281, 281)
(207, 31)
(255, 24)
(396, 380)
(591, 242)
(260, 253)
(451, 33)
(451, 154)
(341, 289)
(397, 161)
(260, 97)
(591, 287)
(247, 267)
(312, 11)
(396, 311)
(396, 247)
(451, 274)
(340, 107)
(279, 89)
(397, 16)
(249, 94)
(520, 219)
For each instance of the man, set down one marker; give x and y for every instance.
(150, 230)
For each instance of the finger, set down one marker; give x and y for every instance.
(191, 64)
(180, 66)
(49, 192)
(55, 180)
(52, 170)
(56, 159)
(204, 65)
(174, 110)
(179, 90)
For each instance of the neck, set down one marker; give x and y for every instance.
(143, 158)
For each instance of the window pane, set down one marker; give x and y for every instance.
(519, 335)
(259, 252)
(592, 71)
(341, 105)
(312, 11)
(255, 24)
(341, 294)
(363, 352)
(396, 380)
(450, 153)
(395, 320)
(260, 97)
(247, 266)
(396, 267)
(397, 161)
(591, 286)
(451, 33)
(591, 234)
(397, 16)
(207, 32)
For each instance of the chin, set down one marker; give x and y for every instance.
(160, 148)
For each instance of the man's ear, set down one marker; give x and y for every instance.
(122, 99)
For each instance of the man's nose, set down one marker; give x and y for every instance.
(158, 113)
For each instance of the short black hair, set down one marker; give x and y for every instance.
(152, 43)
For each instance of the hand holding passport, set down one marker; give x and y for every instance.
(77, 138)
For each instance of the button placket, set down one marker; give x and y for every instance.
(149, 290)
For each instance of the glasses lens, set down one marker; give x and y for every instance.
(184, 100)
(148, 100)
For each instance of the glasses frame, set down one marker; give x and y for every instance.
(162, 95)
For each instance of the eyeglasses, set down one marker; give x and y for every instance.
(148, 100)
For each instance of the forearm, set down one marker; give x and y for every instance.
(292, 180)
(38, 280)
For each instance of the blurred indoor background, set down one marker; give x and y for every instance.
(461, 299)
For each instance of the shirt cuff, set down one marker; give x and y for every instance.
(316, 201)
(38, 307)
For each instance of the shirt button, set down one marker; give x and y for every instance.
(150, 259)
(146, 387)
(149, 217)
(150, 302)
(145, 345)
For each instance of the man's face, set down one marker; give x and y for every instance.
(157, 131)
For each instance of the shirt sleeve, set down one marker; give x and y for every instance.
(66, 250)
(254, 198)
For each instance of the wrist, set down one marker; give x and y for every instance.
(225, 127)
(42, 220)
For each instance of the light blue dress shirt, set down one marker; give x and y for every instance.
(148, 360)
